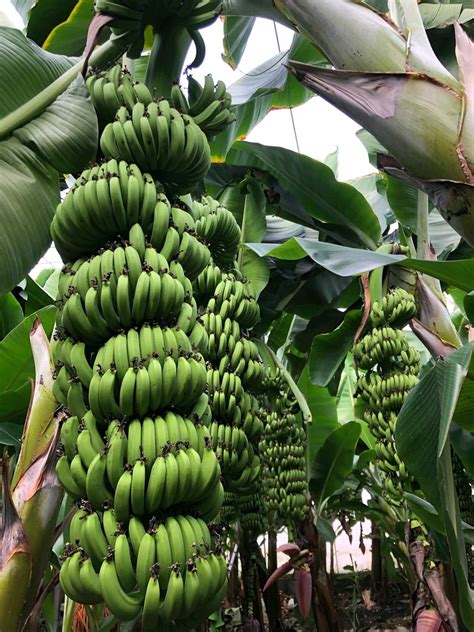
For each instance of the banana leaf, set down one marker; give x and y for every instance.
(47, 126)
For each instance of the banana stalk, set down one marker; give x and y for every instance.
(389, 80)
(15, 560)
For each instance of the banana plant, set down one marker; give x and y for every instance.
(31, 500)
(388, 78)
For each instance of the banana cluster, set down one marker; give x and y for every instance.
(112, 206)
(234, 369)
(391, 368)
(251, 509)
(282, 450)
(142, 470)
(218, 227)
(396, 309)
(161, 140)
(130, 18)
(170, 569)
(136, 451)
(114, 88)
(209, 104)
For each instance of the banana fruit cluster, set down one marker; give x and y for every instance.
(170, 569)
(391, 368)
(161, 140)
(114, 88)
(218, 227)
(130, 18)
(282, 450)
(136, 452)
(209, 104)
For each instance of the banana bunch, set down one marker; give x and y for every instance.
(161, 140)
(135, 450)
(386, 346)
(282, 450)
(142, 469)
(209, 104)
(251, 510)
(391, 368)
(207, 281)
(396, 309)
(105, 202)
(112, 89)
(218, 227)
(167, 569)
(234, 298)
(132, 16)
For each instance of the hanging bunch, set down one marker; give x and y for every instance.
(131, 18)
(135, 451)
(282, 449)
(391, 367)
(209, 104)
(234, 367)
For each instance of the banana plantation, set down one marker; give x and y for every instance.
(241, 358)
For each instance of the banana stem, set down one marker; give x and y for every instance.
(170, 47)
(32, 108)
(376, 276)
(255, 8)
(422, 226)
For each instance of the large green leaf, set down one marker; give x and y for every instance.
(236, 34)
(338, 259)
(45, 16)
(352, 261)
(69, 37)
(11, 314)
(14, 405)
(333, 462)
(323, 408)
(422, 440)
(16, 359)
(37, 297)
(47, 125)
(328, 351)
(313, 184)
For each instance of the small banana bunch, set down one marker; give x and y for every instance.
(282, 449)
(251, 509)
(209, 104)
(391, 368)
(161, 140)
(171, 570)
(114, 88)
(218, 227)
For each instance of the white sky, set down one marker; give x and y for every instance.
(319, 126)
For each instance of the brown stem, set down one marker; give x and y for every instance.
(272, 600)
(324, 610)
(377, 572)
